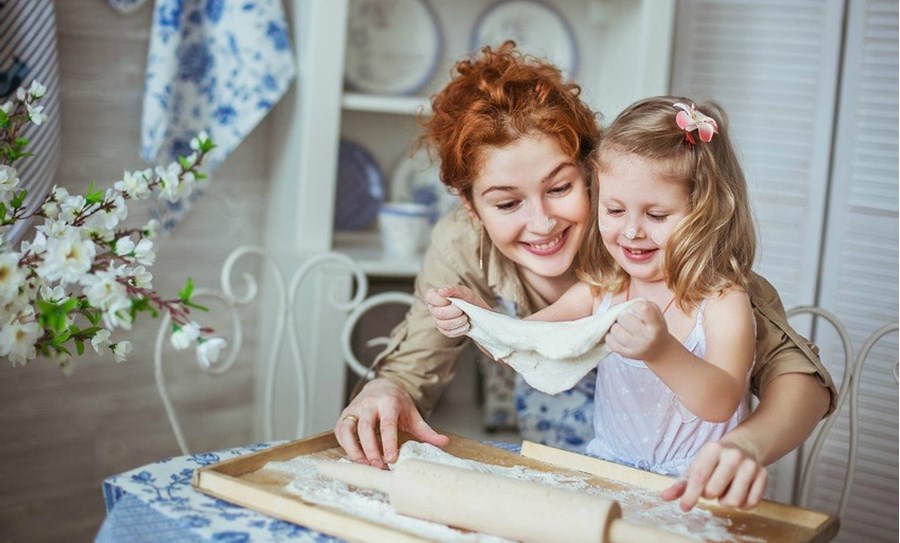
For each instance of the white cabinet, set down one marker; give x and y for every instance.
(623, 53)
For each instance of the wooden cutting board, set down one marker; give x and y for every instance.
(242, 481)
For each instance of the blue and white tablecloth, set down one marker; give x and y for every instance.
(156, 502)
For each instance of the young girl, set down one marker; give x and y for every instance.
(676, 230)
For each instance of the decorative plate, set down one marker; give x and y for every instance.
(360, 188)
(393, 46)
(537, 28)
(415, 179)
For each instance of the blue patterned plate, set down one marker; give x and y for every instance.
(537, 28)
(360, 188)
(393, 46)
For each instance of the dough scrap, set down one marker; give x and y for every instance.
(550, 356)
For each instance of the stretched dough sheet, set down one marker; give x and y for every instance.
(550, 356)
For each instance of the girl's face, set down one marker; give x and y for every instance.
(534, 204)
(639, 208)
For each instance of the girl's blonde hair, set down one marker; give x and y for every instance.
(713, 247)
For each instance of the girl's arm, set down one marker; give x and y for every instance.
(575, 303)
(713, 387)
(733, 469)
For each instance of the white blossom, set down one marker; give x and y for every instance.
(7, 106)
(17, 337)
(55, 294)
(135, 185)
(121, 349)
(104, 220)
(36, 114)
(172, 187)
(143, 252)
(9, 180)
(99, 340)
(201, 137)
(124, 246)
(118, 314)
(20, 94)
(141, 278)
(183, 336)
(71, 207)
(37, 90)
(208, 351)
(67, 258)
(11, 276)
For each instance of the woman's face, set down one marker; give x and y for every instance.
(534, 204)
(639, 208)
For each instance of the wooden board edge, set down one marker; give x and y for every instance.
(246, 463)
(315, 517)
(805, 518)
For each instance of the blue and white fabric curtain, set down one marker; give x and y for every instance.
(213, 65)
(28, 53)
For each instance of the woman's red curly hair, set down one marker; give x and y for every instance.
(496, 99)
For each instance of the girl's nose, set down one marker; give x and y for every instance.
(633, 230)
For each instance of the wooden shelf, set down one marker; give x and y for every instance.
(365, 248)
(396, 105)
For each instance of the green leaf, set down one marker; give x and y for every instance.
(184, 163)
(20, 143)
(93, 195)
(79, 346)
(4, 119)
(19, 199)
(196, 306)
(185, 294)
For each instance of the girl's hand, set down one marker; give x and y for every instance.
(367, 428)
(722, 471)
(639, 331)
(449, 319)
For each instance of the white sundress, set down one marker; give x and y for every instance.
(638, 420)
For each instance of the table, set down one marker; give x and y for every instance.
(156, 502)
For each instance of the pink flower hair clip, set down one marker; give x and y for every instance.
(689, 119)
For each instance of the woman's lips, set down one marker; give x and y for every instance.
(548, 246)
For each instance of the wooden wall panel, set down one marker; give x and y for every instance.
(61, 436)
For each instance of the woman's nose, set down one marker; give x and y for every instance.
(541, 222)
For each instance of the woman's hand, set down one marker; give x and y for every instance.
(639, 332)
(382, 406)
(449, 319)
(721, 470)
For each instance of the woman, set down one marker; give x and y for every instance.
(513, 138)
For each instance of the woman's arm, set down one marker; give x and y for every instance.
(733, 469)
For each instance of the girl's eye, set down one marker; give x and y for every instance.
(614, 212)
(658, 217)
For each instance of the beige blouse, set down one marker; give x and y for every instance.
(423, 361)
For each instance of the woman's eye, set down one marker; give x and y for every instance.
(507, 206)
(561, 189)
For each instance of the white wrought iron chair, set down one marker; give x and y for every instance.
(809, 455)
(234, 297)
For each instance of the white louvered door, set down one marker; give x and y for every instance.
(811, 90)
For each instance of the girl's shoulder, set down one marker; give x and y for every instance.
(731, 302)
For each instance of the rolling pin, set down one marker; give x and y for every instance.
(492, 504)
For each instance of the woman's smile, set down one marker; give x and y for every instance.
(549, 245)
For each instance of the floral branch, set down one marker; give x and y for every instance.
(83, 274)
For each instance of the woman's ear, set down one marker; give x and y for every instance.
(470, 209)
